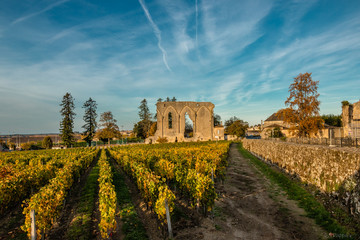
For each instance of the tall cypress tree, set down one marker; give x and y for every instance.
(67, 123)
(90, 120)
(142, 128)
(144, 112)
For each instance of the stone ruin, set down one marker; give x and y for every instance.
(351, 120)
(172, 125)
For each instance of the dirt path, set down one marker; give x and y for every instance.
(250, 207)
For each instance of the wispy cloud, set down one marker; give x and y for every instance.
(21, 19)
(226, 32)
(196, 22)
(157, 33)
(240, 55)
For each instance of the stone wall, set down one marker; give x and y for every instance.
(171, 121)
(351, 120)
(334, 171)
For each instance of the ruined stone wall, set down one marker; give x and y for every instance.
(335, 171)
(351, 120)
(200, 113)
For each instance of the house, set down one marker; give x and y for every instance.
(219, 132)
(253, 131)
(273, 123)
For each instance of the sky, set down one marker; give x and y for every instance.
(240, 55)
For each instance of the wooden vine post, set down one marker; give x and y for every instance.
(168, 219)
(33, 225)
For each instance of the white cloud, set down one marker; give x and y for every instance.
(157, 33)
(26, 17)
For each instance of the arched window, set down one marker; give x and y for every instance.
(170, 120)
(189, 126)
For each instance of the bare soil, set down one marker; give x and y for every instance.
(10, 223)
(153, 228)
(250, 207)
(68, 214)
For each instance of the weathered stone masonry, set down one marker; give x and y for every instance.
(335, 171)
(171, 121)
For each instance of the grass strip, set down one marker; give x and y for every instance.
(305, 200)
(80, 227)
(132, 227)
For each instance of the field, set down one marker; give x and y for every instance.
(49, 181)
(203, 190)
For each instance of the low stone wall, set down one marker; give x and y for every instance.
(334, 171)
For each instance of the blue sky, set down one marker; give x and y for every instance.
(240, 55)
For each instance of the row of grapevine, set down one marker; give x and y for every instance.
(107, 197)
(20, 177)
(48, 202)
(152, 187)
(189, 167)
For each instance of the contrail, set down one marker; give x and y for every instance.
(196, 23)
(157, 33)
(39, 12)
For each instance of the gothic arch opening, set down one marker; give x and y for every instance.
(170, 121)
(189, 127)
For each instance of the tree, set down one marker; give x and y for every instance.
(167, 99)
(303, 106)
(332, 120)
(31, 145)
(142, 128)
(217, 120)
(47, 142)
(229, 122)
(90, 120)
(237, 127)
(4, 145)
(152, 129)
(276, 133)
(67, 123)
(144, 112)
(110, 129)
(345, 103)
(159, 100)
(173, 99)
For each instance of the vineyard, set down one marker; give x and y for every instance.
(164, 174)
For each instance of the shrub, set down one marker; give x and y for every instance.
(47, 142)
(162, 140)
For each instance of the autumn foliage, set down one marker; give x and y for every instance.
(302, 113)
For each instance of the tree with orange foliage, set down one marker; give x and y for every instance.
(303, 106)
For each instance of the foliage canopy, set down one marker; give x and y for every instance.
(144, 112)
(303, 106)
(47, 142)
(145, 125)
(236, 126)
(110, 129)
(90, 120)
(332, 120)
(67, 123)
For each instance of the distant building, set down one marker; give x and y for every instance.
(253, 131)
(272, 122)
(218, 132)
(126, 133)
(277, 122)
